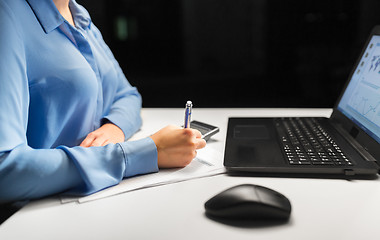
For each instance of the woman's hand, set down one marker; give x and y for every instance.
(108, 133)
(177, 146)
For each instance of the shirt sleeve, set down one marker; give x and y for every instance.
(27, 173)
(125, 110)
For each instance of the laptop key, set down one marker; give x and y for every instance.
(299, 162)
(323, 163)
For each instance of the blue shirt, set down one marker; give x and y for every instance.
(57, 84)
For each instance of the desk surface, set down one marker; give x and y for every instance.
(322, 208)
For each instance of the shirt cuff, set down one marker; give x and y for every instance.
(140, 157)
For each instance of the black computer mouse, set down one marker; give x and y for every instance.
(249, 202)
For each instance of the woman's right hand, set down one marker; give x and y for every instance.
(177, 146)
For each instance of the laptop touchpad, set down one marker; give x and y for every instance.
(251, 132)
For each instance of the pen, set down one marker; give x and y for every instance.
(188, 109)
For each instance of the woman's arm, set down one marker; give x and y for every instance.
(122, 120)
(27, 173)
(126, 105)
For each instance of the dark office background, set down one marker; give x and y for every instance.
(236, 53)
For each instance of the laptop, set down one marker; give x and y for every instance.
(345, 144)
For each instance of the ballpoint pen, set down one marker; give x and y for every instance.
(188, 109)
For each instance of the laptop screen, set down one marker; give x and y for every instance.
(361, 99)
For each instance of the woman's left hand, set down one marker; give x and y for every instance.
(108, 133)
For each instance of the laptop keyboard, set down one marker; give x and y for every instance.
(305, 142)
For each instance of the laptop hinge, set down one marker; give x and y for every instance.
(360, 149)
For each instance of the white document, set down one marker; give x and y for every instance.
(208, 162)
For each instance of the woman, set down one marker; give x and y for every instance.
(66, 107)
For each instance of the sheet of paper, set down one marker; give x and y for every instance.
(208, 162)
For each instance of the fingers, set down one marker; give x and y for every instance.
(197, 142)
(177, 147)
(87, 141)
(200, 143)
(108, 133)
(197, 133)
(94, 140)
(99, 142)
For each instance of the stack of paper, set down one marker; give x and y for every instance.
(208, 162)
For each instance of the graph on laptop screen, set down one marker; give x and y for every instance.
(361, 100)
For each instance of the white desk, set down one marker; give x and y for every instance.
(322, 208)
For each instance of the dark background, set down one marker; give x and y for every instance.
(236, 53)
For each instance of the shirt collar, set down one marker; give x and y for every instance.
(47, 14)
(81, 16)
(50, 18)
